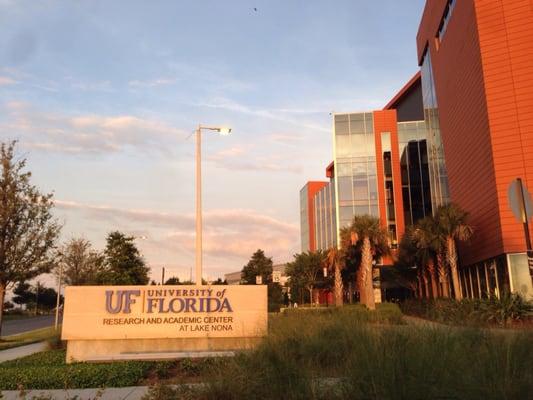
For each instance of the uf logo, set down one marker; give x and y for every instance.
(123, 300)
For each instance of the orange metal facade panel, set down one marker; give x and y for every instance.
(312, 189)
(460, 89)
(506, 35)
(386, 121)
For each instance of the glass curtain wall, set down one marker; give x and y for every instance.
(355, 167)
(437, 168)
(416, 191)
(325, 226)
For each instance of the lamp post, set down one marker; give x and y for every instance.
(56, 323)
(222, 131)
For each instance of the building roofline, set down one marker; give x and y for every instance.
(403, 91)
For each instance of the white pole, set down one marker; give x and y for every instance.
(199, 206)
(58, 293)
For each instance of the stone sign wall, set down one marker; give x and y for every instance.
(175, 318)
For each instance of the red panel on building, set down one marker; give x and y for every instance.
(482, 71)
(312, 189)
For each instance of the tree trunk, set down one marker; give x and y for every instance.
(426, 283)
(310, 296)
(360, 285)
(452, 260)
(433, 276)
(443, 276)
(366, 264)
(2, 298)
(338, 286)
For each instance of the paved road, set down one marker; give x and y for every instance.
(12, 327)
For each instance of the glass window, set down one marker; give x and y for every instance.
(357, 124)
(520, 278)
(359, 169)
(385, 142)
(345, 188)
(358, 145)
(369, 122)
(342, 145)
(362, 210)
(360, 189)
(372, 188)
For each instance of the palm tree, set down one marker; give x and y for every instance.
(428, 243)
(335, 262)
(407, 265)
(367, 231)
(452, 224)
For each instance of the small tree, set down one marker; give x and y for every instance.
(124, 264)
(259, 265)
(81, 264)
(23, 294)
(29, 232)
(174, 280)
(37, 296)
(306, 269)
(452, 222)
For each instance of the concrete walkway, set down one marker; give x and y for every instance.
(129, 393)
(22, 351)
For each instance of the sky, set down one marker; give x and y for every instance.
(103, 97)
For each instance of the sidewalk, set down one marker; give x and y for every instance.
(130, 393)
(22, 351)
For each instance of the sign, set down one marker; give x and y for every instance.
(164, 312)
(522, 206)
(258, 280)
(276, 276)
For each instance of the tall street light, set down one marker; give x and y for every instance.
(223, 131)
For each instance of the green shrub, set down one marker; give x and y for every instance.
(47, 370)
(471, 312)
(384, 313)
(328, 355)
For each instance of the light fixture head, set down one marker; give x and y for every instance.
(224, 131)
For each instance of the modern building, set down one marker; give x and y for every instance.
(307, 215)
(477, 78)
(234, 278)
(460, 131)
(379, 168)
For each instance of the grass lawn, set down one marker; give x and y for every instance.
(347, 353)
(34, 336)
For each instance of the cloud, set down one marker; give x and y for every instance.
(85, 134)
(273, 114)
(230, 235)
(89, 86)
(238, 159)
(288, 139)
(6, 81)
(151, 83)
